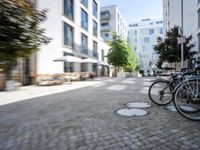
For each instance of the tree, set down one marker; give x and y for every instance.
(132, 61)
(20, 34)
(118, 53)
(168, 49)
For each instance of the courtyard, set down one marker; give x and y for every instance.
(84, 118)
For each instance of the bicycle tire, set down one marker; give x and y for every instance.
(183, 100)
(155, 93)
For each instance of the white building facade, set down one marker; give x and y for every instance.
(142, 37)
(74, 26)
(112, 21)
(173, 17)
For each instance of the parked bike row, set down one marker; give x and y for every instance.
(183, 88)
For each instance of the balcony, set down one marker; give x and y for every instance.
(105, 16)
(84, 50)
(105, 28)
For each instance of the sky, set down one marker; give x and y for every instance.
(135, 10)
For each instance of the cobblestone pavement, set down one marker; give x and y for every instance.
(84, 119)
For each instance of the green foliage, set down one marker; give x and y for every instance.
(120, 54)
(20, 34)
(132, 61)
(168, 50)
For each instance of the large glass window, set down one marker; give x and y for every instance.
(151, 31)
(94, 68)
(84, 19)
(102, 55)
(94, 28)
(146, 40)
(68, 9)
(94, 8)
(68, 66)
(85, 2)
(84, 44)
(68, 35)
(161, 30)
(94, 49)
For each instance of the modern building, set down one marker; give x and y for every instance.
(142, 37)
(74, 26)
(172, 14)
(112, 21)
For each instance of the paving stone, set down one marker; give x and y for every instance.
(84, 119)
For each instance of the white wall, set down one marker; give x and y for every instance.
(54, 26)
(172, 14)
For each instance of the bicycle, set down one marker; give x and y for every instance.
(161, 91)
(187, 97)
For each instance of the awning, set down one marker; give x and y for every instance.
(90, 60)
(103, 64)
(69, 59)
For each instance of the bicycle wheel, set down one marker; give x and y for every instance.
(160, 92)
(187, 100)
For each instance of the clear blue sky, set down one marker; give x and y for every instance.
(135, 10)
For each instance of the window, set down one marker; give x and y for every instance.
(105, 24)
(151, 31)
(84, 20)
(118, 17)
(146, 40)
(85, 2)
(94, 49)
(102, 55)
(161, 30)
(94, 67)
(84, 44)
(68, 9)
(159, 22)
(135, 32)
(84, 67)
(94, 28)
(68, 35)
(94, 8)
(135, 41)
(68, 66)
(143, 48)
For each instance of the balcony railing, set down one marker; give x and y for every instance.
(105, 16)
(105, 28)
(84, 50)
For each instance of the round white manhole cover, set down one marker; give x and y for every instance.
(187, 108)
(131, 112)
(138, 105)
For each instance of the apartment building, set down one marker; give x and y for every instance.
(73, 26)
(172, 14)
(142, 37)
(112, 21)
